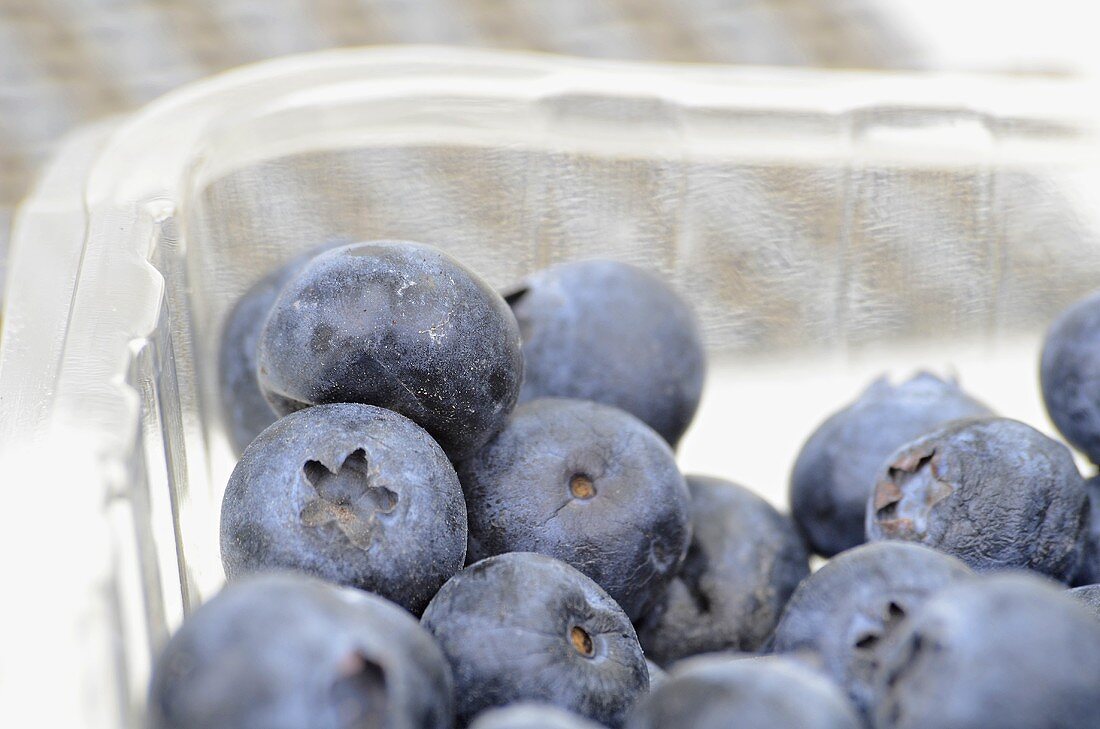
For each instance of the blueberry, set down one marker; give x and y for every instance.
(399, 325)
(846, 611)
(744, 561)
(585, 483)
(531, 716)
(284, 651)
(769, 692)
(836, 468)
(657, 676)
(526, 627)
(685, 664)
(355, 494)
(1007, 651)
(993, 492)
(244, 407)
(613, 333)
(1069, 373)
(1089, 596)
(1088, 567)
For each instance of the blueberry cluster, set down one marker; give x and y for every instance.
(455, 508)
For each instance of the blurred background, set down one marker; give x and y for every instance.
(66, 62)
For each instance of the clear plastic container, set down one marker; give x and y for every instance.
(826, 225)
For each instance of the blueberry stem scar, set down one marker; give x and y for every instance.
(581, 486)
(582, 642)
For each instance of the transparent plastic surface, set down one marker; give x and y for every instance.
(827, 227)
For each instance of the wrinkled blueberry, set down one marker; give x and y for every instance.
(1088, 567)
(588, 484)
(846, 611)
(1089, 596)
(1069, 373)
(837, 466)
(771, 692)
(1007, 651)
(399, 325)
(614, 333)
(744, 561)
(355, 494)
(527, 715)
(993, 492)
(526, 627)
(244, 407)
(285, 651)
